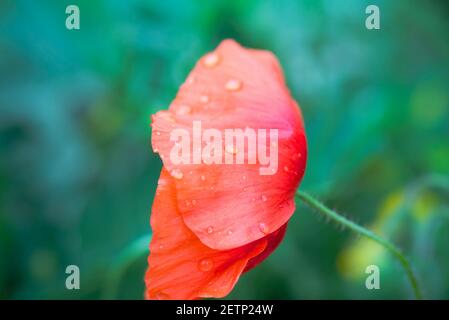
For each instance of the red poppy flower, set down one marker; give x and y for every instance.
(213, 220)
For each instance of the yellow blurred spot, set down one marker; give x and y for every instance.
(363, 252)
(353, 261)
(424, 205)
(389, 206)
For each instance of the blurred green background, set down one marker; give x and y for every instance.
(77, 174)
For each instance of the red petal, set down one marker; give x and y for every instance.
(273, 241)
(180, 265)
(235, 201)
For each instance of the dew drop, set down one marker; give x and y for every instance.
(205, 264)
(210, 229)
(191, 80)
(296, 156)
(193, 202)
(229, 232)
(233, 85)
(158, 133)
(231, 149)
(286, 169)
(264, 198)
(203, 177)
(177, 174)
(183, 110)
(204, 99)
(211, 60)
(263, 227)
(187, 203)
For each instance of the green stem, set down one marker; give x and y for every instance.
(318, 206)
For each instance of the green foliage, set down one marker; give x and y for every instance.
(77, 175)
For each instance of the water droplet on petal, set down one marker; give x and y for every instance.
(203, 177)
(177, 174)
(233, 85)
(191, 80)
(193, 202)
(264, 198)
(210, 229)
(211, 60)
(158, 133)
(183, 110)
(286, 169)
(205, 264)
(263, 227)
(204, 99)
(231, 149)
(229, 232)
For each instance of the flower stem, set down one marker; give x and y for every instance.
(321, 208)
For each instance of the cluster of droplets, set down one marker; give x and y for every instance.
(210, 60)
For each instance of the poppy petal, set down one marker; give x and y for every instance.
(180, 265)
(273, 241)
(231, 205)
